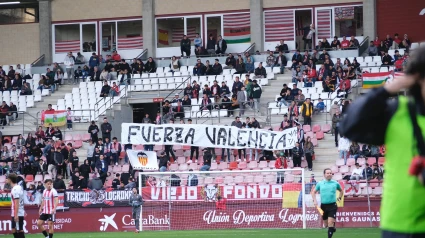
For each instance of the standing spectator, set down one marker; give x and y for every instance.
(256, 95)
(193, 149)
(185, 46)
(211, 45)
(335, 125)
(106, 128)
(372, 50)
(307, 111)
(95, 183)
(59, 161)
(343, 148)
(69, 65)
(59, 184)
(297, 153)
(69, 119)
(242, 99)
(280, 163)
(309, 153)
(281, 62)
(237, 86)
(93, 61)
(94, 131)
(309, 32)
(85, 169)
(102, 168)
(221, 45)
(115, 150)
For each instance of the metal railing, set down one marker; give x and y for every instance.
(28, 120)
(364, 45)
(143, 55)
(106, 103)
(250, 49)
(39, 61)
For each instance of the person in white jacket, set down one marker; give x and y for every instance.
(69, 65)
(343, 148)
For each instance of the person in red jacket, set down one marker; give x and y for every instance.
(220, 204)
(344, 86)
(280, 163)
(345, 43)
(312, 74)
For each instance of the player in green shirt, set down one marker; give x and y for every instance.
(377, 119)
(327, 189)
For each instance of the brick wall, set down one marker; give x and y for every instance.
(20, 43)
(66, 10)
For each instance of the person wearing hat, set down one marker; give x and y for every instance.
(217, 68)
(176, 98)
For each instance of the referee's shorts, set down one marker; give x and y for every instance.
(329, 210)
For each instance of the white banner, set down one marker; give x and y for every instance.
(145, 160)
(207, 136)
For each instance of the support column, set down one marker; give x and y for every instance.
(257, 34)
(369, 19)
(148, 14)
(45, 27)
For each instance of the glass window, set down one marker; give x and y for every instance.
(349, 21)
(18, 15)
(108, 37)
(193, 26)
(214, 26)
(67, 38)
(130, 35)
(170, 32)
(89, 37)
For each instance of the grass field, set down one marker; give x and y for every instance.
(245, 233)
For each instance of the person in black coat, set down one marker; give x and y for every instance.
(230, 62)
(150, 66)
(281, 61)
(185, 46)
(211, 44)
(221, 45)
(95, 75)
(94, 131)
(85, 169)
(297, 153)
(217, 69)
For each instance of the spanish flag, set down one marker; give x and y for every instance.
(163, 37)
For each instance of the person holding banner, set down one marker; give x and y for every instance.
(136, 202)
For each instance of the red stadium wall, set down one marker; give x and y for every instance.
(395, 16)
(196, 215)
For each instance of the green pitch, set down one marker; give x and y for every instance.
(245, 233)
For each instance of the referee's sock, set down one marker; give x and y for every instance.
(50, 235)
(330, 232)
(45, 234)
(15, 234)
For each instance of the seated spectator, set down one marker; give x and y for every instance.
(95, 183)
(12, 113)
(382, 48)
(174, 64)
(367, 172)
(105, 76)
(206, 91)
(16, 81)
(116, 182)
(283, 47)
(309, 83)
(207, 161)
(95, 75)
(114, 91)
(150, 66)
(59, 184)
(80, 59)
(355, 42)
(4, 109)
(206, 103)
(208, 68)
(320, 107)
(211, 45)
(325, 44)
(356, 174)
(328, 86)
(260, 72)
(345, 43)
(215, 89)
(124, 77)
(178, 110)
(354, 150)
(188, 90)
(230, 62)
(240, 65)
(396, 41)
(224, 89)
(375, 152)
(216, 68)
(377, 172)
(105, 89)
(234, 105)
(335, 44)
(200, 51)
(115, 56)
(344, 86)
(163, 162)
(199, 68)
(387, 60)
(186, 102)
(297, 75)
(249, 65)
(270, 60)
